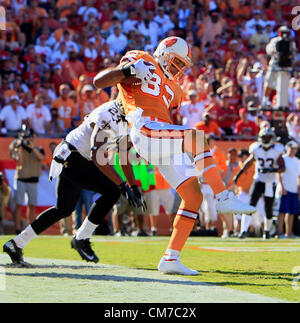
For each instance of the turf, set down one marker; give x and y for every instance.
(251, 265)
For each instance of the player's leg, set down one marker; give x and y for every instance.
(67, 195)
(157, 141)
(191, 196)
(93, 180)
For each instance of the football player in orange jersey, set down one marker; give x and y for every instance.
(148, 90)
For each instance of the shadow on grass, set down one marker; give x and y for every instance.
(126, 279)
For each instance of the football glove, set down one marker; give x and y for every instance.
(129, 195)
(138, 193)
(267, 170)
(140, 69)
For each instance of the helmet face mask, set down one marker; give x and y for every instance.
(267, 138)
(174, 57)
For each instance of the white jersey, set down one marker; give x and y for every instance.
(109, 119)
(265, 159)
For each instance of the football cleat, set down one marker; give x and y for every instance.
(243, 235)
(83, 247)
(15, 253)
(231, 204)
(174, 266)
(266, 235)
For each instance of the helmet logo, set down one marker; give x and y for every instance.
(170, 41)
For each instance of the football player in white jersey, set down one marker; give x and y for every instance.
(81, 162)
(267, 155)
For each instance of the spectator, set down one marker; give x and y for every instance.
(245, 128)
(208, 125)
(86, 201)
(58, 33)
(12, 116)
(259, 37)
(227, 116)
(131, 22)
(65, 107)
(163, 21)
(56, 125)
(39, 117)
(87, 102)
(290, 186)
(213, 26)
(149, 28)
(43, 48)
(60, 54)
(191, 111)
(252, 23)
(117, 41)
(29, 158)
(183, 13)
(232, 164)
(72, 68)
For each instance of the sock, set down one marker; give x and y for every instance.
(153, 229)
(86, 230)
(267, 224)
(171, 254)
(181, 231)
(25, 237)
(246, 219)
(205, 163)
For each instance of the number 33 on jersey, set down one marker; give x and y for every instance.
(155, 97)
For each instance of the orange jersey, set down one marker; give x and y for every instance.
(66, 110)
(157, 97)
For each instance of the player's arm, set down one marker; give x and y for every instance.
(109, 77)
(124, 157)
(247, 164)
(112, 76)
(281, 165)
(99, 156)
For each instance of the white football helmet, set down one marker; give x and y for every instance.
(173, 53)
(267, 137)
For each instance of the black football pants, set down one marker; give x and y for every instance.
(256, 191)
(79, 174)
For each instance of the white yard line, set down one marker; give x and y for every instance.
(55, 280)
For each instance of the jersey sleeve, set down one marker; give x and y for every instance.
(280, 148)
(252, 148)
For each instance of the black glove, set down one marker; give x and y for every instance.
(140, 196)
(129, 195)
(268, 170)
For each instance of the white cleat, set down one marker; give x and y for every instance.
(231, 204)
(174, 266)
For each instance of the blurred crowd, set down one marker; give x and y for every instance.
(51, 50)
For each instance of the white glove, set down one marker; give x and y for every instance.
(143, 70)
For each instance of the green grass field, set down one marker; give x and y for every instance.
(251, 265)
